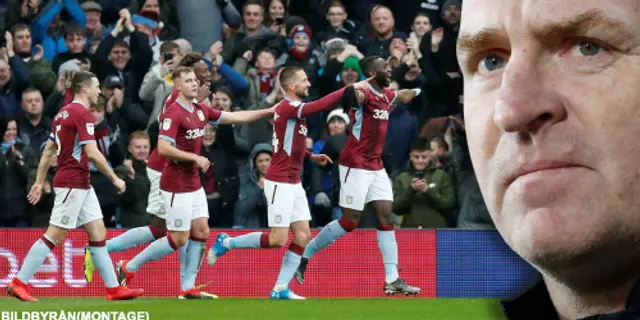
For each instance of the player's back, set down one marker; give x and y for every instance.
(288, 143)
(73, 127)
(188, 124)
(363, 149)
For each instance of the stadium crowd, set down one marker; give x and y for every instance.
(133, 46)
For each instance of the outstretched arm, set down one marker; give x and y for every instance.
(242, 117)
(405, 96)
(327, 103)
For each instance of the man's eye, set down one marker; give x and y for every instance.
(587, 49)
(491, 63)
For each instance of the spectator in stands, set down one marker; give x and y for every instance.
(21, 12)
(147, 22)
(439, 149)
(41, 73)
(16, 160)
(324, 185)
(302, 54)
(96, 31)
(421, 26)
(14, 78)
(133, 171)
(223, 75)
(49, 31)
(201, 35)
(165, 30)
(250, 34)
(342, 67)
(260, 80)
(277, 14)
(382, 23)
(34, 127)
(405, 11)
(339, 24)
(423, 195)
(75, 40)
(40, 214)
(220, 182)
(251, 209)
(129, 61)
(157, 83)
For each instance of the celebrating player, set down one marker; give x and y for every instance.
(181, 130)
(362, 175)
(155, 207)
(76, 204)
(287, 201)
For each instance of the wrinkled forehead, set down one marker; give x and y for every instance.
(485, 20)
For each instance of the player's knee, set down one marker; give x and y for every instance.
(56, 235)
(302, 237)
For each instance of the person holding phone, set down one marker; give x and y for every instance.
(423, 195)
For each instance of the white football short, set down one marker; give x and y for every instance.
(359, 187)
(183, 207)
(155, 203)
(286, 203)
(73, 208)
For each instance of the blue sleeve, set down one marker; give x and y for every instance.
(317, 147)
(236, 81)
(43, 19)
(76, 12)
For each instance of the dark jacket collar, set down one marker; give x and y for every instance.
(535, 303)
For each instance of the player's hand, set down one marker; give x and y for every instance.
(321, 159)
(203, 163)
(120, 185)
(35, 193)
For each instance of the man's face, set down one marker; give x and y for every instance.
(119, 56)
(349, 76)
(557, 168)
(188, 85)
(263, 160)
(22, 41)
(202, 72)
(75, 42)
(383, 73)
(223, 101)
(139, 148)
(32, 103)
(266, 62)
(398, 44)
(93, 91)
(252, 17)
(452, 15)
(93, 20)
(5, 73)
(419, 159)
(382, 21)
(336, 16)
(300, 84)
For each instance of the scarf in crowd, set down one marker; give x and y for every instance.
(266, 82)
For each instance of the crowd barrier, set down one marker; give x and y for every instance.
(444, 263)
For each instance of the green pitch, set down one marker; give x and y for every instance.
(321, 309)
